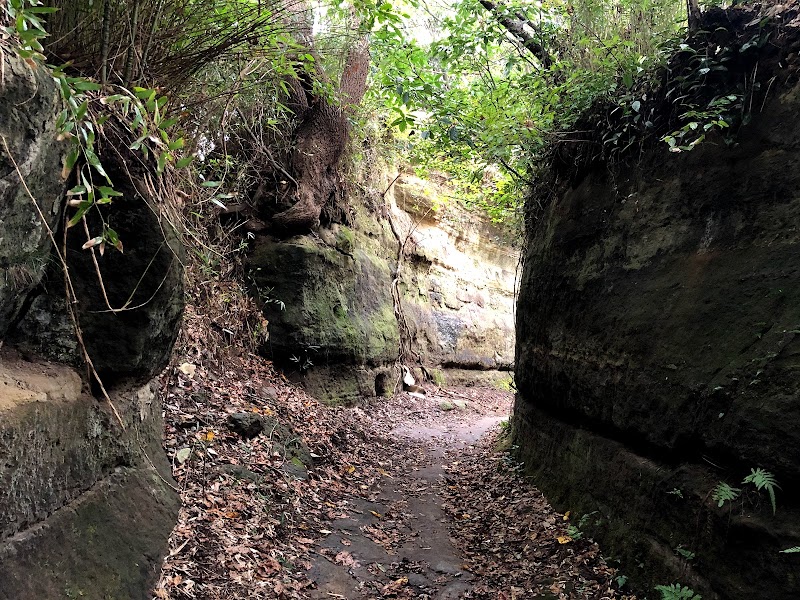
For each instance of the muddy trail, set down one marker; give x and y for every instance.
(400, 497)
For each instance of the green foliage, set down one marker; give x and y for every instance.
(574, 532)
(82, 122)
(469, 101)
(724, 493)
(676, 492)
(683, 552)
(25, 25)
(792, 550)
(676, 591)
(763, 479)
(760, 478)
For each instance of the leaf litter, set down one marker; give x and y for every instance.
(325, 494)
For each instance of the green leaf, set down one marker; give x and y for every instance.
(76, 218)
(80, 112)
(41, 10)
(108, 191)
(184, 162)
(84, 85)
(167, 123)
(112, 237)
(211, 184)
(92, 159)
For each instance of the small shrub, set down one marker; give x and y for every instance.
(763, 480)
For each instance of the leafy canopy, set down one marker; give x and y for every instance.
(468, 98)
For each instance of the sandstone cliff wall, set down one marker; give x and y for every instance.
(658, 348)
(337, 329)
(85, 503)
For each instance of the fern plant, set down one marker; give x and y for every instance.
(677, 592)
(763, 479)
(792, 550)
(725, 493)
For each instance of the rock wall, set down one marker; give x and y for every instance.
(336, 327)
(85, 500)
(658, 348)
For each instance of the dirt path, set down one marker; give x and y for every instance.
(397, 498)
(416, 555)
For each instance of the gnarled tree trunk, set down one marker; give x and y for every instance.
(320, 140)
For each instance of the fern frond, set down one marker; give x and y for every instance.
(763, 479)
(792, 550)
(725, 493)
(677, 592)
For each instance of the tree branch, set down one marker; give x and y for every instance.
(516, 26)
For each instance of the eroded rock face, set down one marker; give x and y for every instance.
(85, 506)
(85, 501)
(459, 280)
(337, 324)
(28, 101)
(143, 284)
(657, 355)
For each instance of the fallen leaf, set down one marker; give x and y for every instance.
(188, 369)
(346, 559)
(182, 454)
(394, 586)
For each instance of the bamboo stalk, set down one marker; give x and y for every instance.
(105, 41)
(132, 48)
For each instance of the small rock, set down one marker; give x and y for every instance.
(418, 581)
(270, 393)
(462, 404)
(445, 405)
(240, 472)
(446, 568)
(295, 468)
(248, 425)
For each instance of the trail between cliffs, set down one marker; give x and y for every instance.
(397, 498)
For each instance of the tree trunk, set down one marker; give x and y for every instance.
(320, 141)
(693, 15)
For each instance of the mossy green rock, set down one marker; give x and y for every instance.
(337, 307)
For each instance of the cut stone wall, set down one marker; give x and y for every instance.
(334, 326)
(86, 505)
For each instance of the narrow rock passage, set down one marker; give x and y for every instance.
(285, 498)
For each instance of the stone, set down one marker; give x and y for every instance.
(337, 317)
(246, 424)
(657, 348)
(29, 102)
(79, 491)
